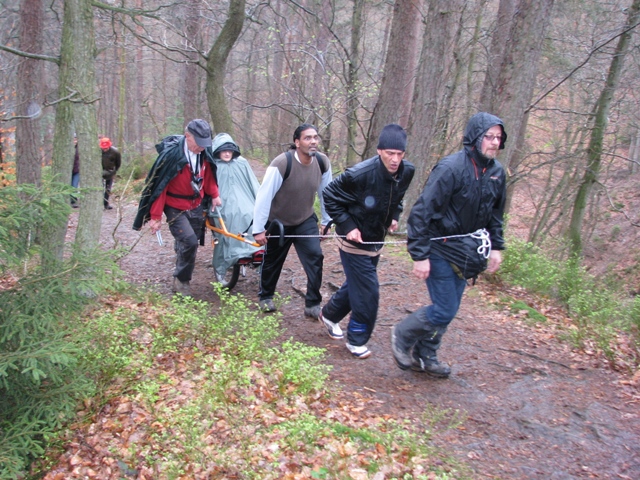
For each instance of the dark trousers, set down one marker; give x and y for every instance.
(309, 253)
(359, 294)
(186, 228)
(108, 184)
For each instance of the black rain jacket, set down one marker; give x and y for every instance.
(367, 197)
(465, 192)
(171, 160)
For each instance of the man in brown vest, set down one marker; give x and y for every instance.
(287, 194)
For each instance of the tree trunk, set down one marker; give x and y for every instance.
(29, 88)
(512, 71)
(398, 80)
(77, 82)
(275, 69)
(216, 67)
(499, 43)
(352, 82)
(191, 72)
(434, 71)
(635, 158)
(594, 150)
(81, 66)
(122, 93)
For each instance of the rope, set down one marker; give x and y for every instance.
(335, 235)
(481, 234)
(484, 249)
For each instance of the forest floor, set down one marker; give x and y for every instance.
(532, 406)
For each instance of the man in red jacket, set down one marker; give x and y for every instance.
(182, 175)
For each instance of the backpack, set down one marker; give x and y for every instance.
(321, 164)
(166, 141)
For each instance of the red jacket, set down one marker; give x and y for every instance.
(181, 185)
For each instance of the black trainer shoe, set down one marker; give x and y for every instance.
(267, 305)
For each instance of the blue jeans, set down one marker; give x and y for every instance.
(445, 289)
(75, 183)
(359, 294)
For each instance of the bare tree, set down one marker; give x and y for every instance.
(600, 120)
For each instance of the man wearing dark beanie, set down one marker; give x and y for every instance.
(454, 232)
(392, 137)
(365, 203)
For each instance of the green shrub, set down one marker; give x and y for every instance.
(596, 306)
(42, 377)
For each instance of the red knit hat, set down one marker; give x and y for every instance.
(105, 142)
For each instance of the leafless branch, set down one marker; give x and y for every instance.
(615, 208)
(33, 56)
(580, 65)
(44, 105)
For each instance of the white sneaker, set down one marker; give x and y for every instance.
(360, 351)
(333, 329)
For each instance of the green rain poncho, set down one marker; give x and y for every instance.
(238, 186)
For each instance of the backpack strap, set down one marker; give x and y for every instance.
(287, 172)
(289, 155)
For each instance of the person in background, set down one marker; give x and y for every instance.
(75, 172)
(180, 178)
(111, 161)
(454, 226)
(287, 194)
(238, 186)
(365, 203)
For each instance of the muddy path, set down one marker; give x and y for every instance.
(529, 406)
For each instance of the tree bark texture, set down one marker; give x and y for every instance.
(353, 65)
(511, 79)
(434, 72)
(29, 152)
(190, 98)
(216, 67)
(398, 80)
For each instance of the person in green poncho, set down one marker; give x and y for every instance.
(238, 185)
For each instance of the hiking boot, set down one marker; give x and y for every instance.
(359, 351)
(313, 312)
(181, 287)
(333, 329)
(402, 358)
(431, 366)
(267, 305)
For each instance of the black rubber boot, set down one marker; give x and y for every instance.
(404, 335)
(425, 358)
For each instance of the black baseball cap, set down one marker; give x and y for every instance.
(201, 132)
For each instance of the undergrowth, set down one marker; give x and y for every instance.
(598, 311)
(244, 401)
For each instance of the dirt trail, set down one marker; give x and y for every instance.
(532, 408)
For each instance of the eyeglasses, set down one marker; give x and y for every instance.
(491, 138)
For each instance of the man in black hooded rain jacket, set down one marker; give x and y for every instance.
(453, 229)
